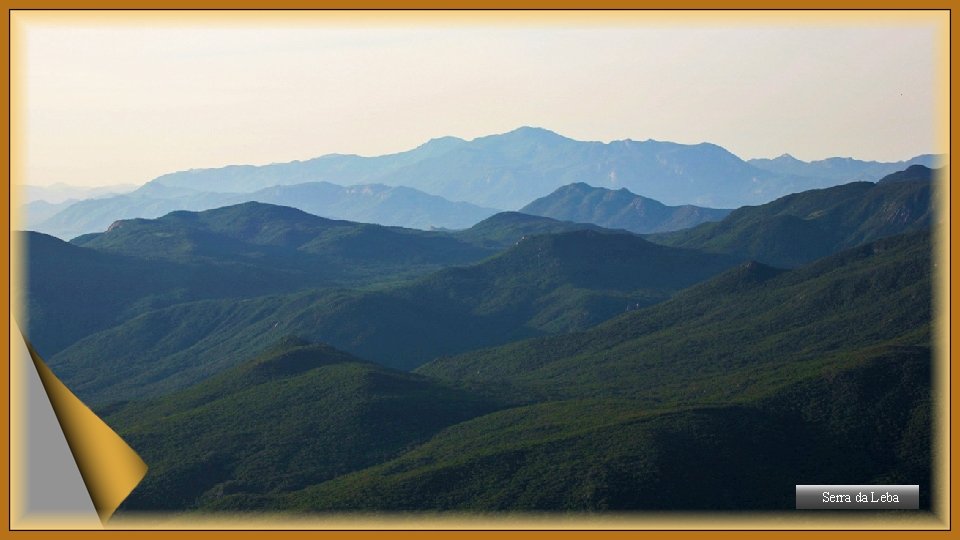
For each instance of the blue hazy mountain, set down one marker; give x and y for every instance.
(619, 209)
(371, 203)
(842, 169)
(34, 213)
(504, 171)
(509, 170)
(60, 192)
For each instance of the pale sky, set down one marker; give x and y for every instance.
(126, 100)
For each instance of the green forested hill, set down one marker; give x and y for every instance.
(505, 229)
(731, 416)
(802, 227)
(864, 419)
(723, 397)
(272, 236)
(912, 173)
(296, 415)
(72, 291)
(241, 251)
(248, 250)
(746, 318)
(545, 284)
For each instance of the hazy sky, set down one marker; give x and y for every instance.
(125, 100)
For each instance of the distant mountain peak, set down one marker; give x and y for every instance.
(534, 130)
(577, 186)
(529, 133)
(445, 139)
(838, 170)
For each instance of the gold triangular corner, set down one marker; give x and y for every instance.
(109, 467)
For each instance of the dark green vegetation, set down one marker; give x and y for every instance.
(505, 229)
(746, 318)
(826, 379)
(619, 209)
(723, 397)
(282, 238)
(545, 284)
(607, 455)
(297, 415)
(802, 227)
(71, 291)
(241, 251)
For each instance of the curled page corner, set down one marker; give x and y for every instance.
(109, 467)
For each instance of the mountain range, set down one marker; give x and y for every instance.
(290, 269)
(506, 171)
(60, 192)
(660, 408)
(240, 251)
(372, 203)
(509, 170)
(544, 284)
(689, 404)
(841, 169)
(614, 353)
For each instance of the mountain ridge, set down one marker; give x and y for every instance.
(501, 171)
(619, 209)
(845, 169)
(373, 203)
(544, 284)
(817, 222)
